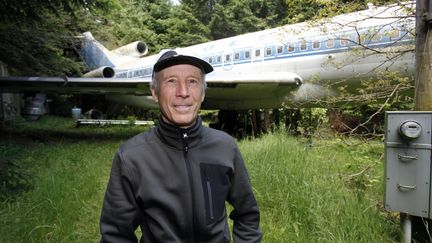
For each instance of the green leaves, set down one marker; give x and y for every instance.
(14, 177)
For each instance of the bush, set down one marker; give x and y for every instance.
(14, 179)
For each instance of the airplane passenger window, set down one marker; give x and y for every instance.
(227, 58)
(236, 56)
(219, 59)
(247, 54)
(330, 43)
(210, 60)
(316, 44)
(303, 45)
(364, 39)
(279, 49)
(290, 47)
(376, 36)
(344, 40)
(257, 52)
(268, 51)
(393, 34)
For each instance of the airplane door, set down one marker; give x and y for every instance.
(227, 61)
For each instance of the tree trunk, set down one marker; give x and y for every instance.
(423, 85)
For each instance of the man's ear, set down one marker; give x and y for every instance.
(203, 96)
(155, 95)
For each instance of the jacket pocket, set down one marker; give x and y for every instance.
(216, 184)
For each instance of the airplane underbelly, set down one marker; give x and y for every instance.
(146, 102)
(247, 96)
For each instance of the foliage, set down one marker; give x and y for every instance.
(234, 19)
(316, 194)
(36, 49)
(306, 194)
(158, 23)
(37, 37)
(363, 112)
(312, 119)
(35, 10)
(14, 178)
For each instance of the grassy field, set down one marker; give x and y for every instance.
(331, 191)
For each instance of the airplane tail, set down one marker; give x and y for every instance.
(95, 55)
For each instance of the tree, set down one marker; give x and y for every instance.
(37, 37)
(204, 9)
(158, 23)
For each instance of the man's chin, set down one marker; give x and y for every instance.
(183, 122)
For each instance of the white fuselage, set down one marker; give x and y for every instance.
(330, 53)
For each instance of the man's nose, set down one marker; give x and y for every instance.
(182, 89)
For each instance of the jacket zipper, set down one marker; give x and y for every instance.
(209, 195)
(189, 170)
(209, 192)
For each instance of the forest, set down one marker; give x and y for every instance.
(320, 187)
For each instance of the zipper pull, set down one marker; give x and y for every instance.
(185, 142)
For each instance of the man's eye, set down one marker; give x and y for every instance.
(171, 81)
(193, 81)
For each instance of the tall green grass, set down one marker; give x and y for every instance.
(65, 201)
(330, 192)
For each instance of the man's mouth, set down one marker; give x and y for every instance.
(182, 108)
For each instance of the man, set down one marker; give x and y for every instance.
(174, 179)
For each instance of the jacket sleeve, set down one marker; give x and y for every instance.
(120, 213)
(245, 215)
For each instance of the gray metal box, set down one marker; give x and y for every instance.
(408, 162)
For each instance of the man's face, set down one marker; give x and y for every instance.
(179, 94)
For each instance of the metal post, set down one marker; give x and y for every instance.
(406, 228)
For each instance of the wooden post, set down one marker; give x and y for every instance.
(423, 99)
(423, 84)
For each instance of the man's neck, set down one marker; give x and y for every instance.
(166, 120)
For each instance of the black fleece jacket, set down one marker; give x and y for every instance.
(174, 183)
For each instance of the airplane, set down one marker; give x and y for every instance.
(292, 65)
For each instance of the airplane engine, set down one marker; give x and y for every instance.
(102, 72)
(134, 49)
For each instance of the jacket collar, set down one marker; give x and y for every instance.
(180, 138)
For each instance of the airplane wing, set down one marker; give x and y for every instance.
(135, 86)
(75, 85)
(224, 92)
